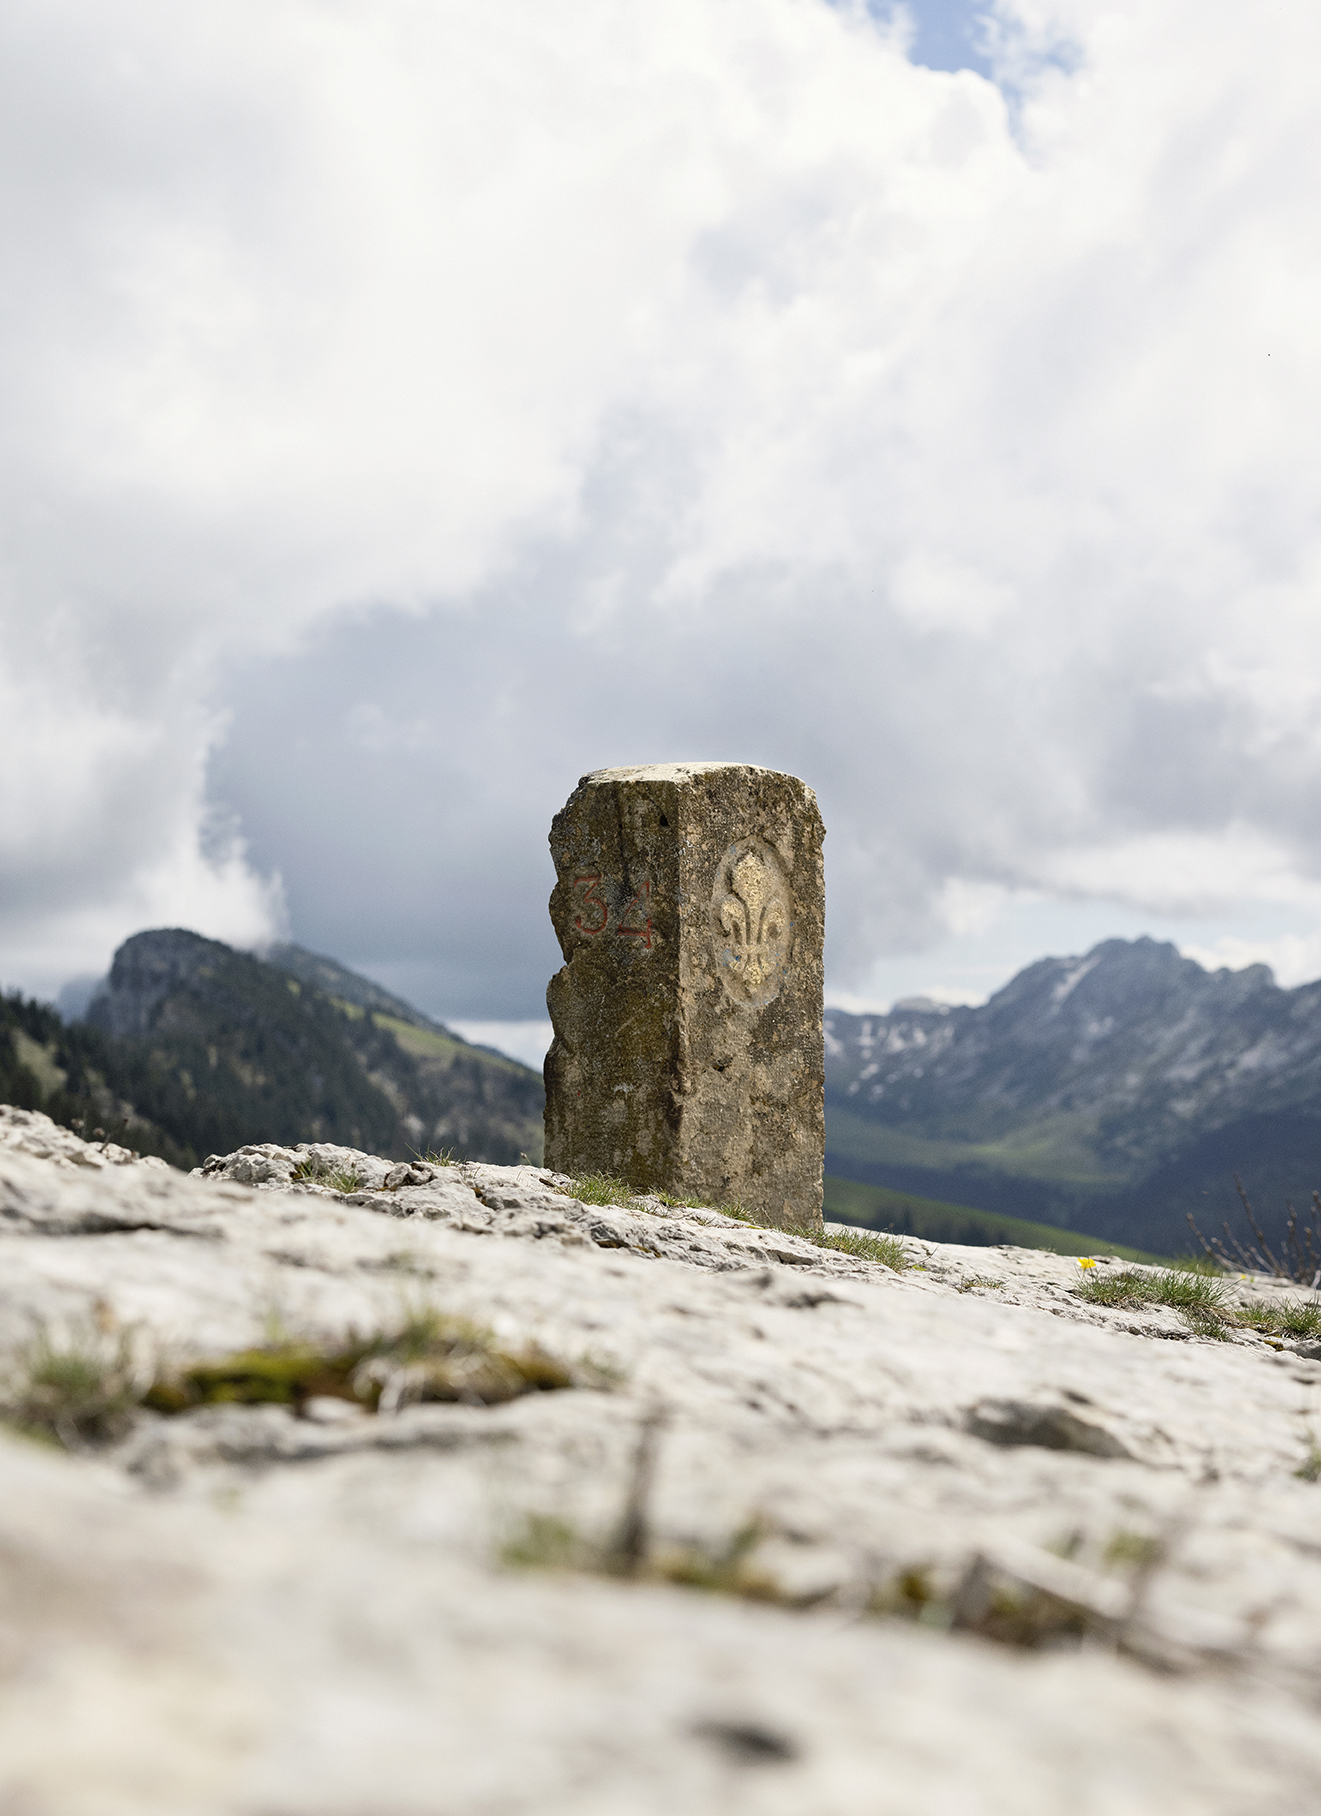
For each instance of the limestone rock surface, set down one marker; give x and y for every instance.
(941, 1540)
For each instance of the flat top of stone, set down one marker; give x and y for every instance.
(669, 772)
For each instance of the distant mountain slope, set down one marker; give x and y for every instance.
(230, 1050)
(876, 1207)
(448, 1092)
(77, 1076)
(1115, 1091)
(336, 980)
(222, 1048)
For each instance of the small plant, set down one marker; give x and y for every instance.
(887, 1251)
(543, 1541)
(1128, 1550)
(679, 1204)
(1198, 1298)
(601, 1188)
(740, 1213)
(724, 1570)
(315, 1171)
(1299, 1258)
(1288, 1320)
(984, 1602)
(1020, 1615)
(1309, 1470)
(443, 1158)
(911, 1594)
(546, 1541)
(82, 1392)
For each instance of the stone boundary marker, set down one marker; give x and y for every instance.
(688, 1054)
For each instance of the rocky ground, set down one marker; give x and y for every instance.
(784, 1530)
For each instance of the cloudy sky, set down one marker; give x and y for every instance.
(407, 406)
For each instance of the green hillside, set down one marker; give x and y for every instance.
(1052, 1148)
(80, 1078)
(876, 1207)
(193, 1048)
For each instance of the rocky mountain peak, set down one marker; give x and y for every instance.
(1085, 1074)
(221, 1046)
(146, 969)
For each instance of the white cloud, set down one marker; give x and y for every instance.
(527, 1041)
(452, 399)
(1188, 873)
(1294, 958)
(215, 893)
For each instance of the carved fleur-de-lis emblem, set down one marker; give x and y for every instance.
(754, 916)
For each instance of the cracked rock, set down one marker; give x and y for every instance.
(989, 1551)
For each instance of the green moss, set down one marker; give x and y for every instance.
(1128, 1550)
(543, 1541)
(723, 1570)
(282, 1375)
(427, 1357)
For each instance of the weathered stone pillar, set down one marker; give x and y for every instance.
(688, 1051)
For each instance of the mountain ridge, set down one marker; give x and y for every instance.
(190, 1046)
(1122, 1087)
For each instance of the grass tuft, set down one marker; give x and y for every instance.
(1198, 1298)
(604, 1188)
(320, 1172)
(727, 1570)
(545, 1541)
(80, 1393)
(887, 1251)
(601, 1188)
(1287, 1320)
(865, 1245)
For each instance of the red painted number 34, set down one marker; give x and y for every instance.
(593, 914)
